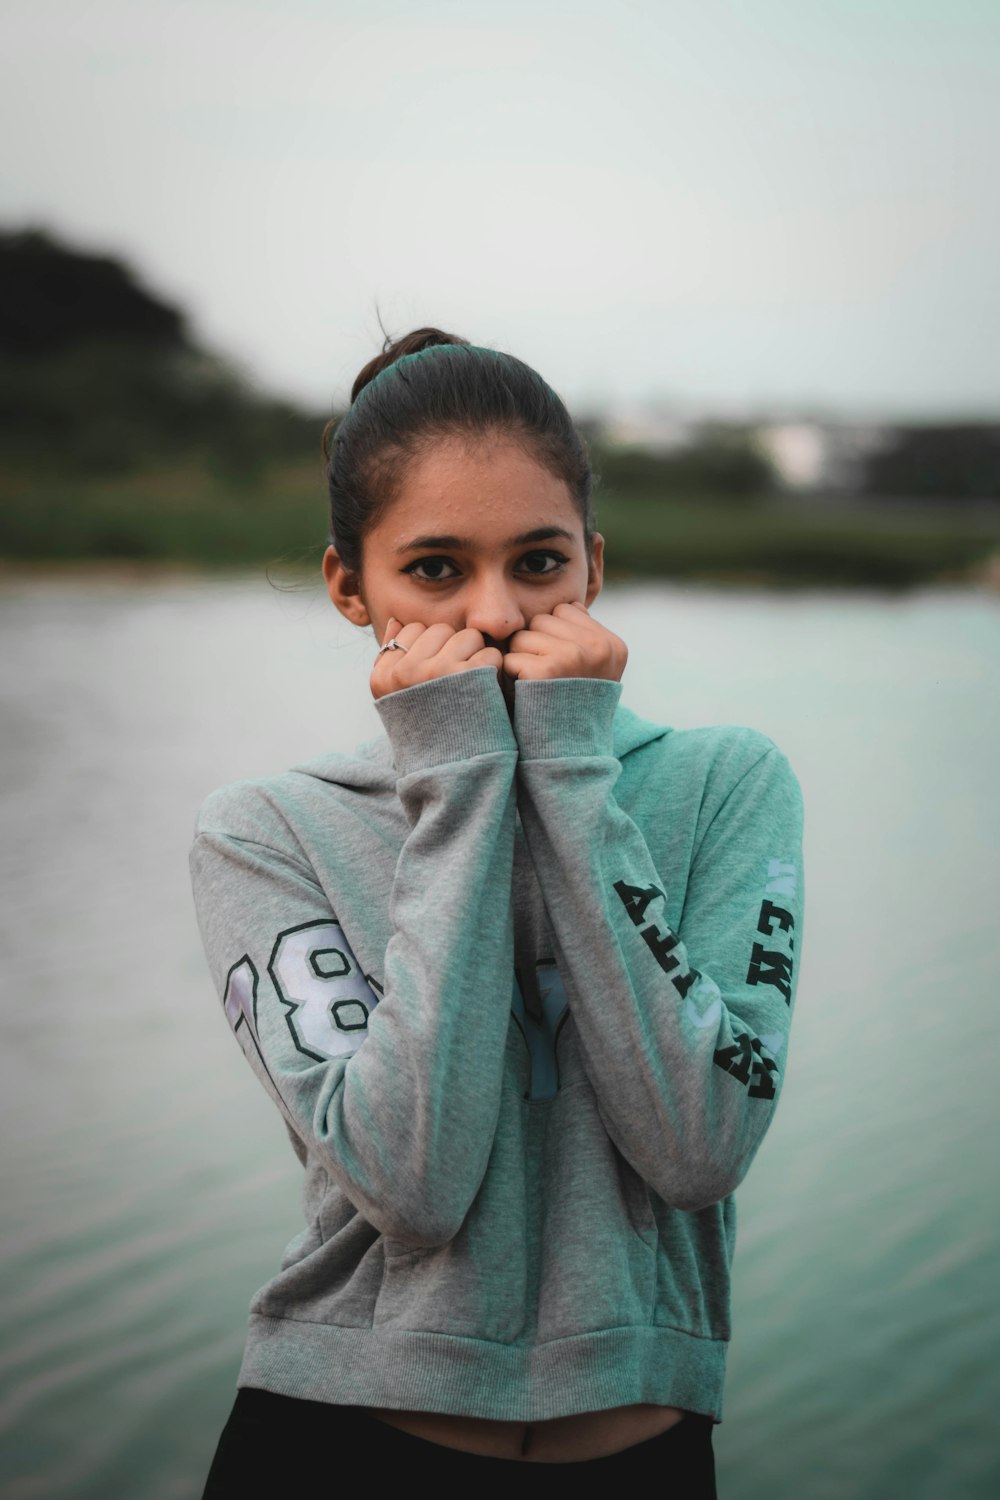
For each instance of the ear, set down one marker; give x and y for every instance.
(344, 588)
(595, 569)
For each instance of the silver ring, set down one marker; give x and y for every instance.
(392, 645)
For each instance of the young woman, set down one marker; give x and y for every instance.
(518, 975)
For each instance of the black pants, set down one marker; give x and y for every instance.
(278, 1445)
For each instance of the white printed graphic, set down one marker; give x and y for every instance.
(241, 992)
(240, 1003)
(710, 1017)
(328, 998)
(780, 879)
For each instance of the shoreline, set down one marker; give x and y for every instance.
(125, 573)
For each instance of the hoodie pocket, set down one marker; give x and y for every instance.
(598, 1263)
(453, 1289)
(693, 1268)
(477, 1285)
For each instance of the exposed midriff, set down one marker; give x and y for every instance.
(586, 1435)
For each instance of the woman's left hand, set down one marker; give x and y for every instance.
(566, 643)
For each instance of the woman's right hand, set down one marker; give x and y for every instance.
(431, 651)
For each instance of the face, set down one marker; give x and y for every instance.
(479, 536)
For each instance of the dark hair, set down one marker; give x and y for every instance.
(430, 385)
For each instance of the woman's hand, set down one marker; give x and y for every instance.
(431, 651)
(566, 643)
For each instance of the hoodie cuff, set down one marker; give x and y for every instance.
(447, 719)
(565, 716)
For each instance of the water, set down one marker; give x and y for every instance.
(147, 1185)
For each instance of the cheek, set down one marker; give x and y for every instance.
(391, 592)
(571, 584)
(415, 605)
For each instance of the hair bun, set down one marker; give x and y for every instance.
(410, 343)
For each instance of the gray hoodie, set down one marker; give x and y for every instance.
(521, 988)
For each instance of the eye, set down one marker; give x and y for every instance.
(432, 567)
(536, 563)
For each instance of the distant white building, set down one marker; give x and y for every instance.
(809, 455)
(654, 428)
(798, 452)
(821, 456)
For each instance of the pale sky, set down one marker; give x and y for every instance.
(745, 203)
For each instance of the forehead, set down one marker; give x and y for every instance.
(482, 490)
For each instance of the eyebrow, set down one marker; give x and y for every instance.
(461, 543)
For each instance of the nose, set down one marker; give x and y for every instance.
(493, 609)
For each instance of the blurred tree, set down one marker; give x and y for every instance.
(98, 376)
(721, 460)
(960, 461)
(53, 299)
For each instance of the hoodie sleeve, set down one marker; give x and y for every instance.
(683, 1032)
(397, 1094)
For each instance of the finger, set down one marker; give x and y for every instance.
(428, 640)
(563, 627)
(463, 644)
(489, 656)
(388, 671)
(406, 635)
(521, 664)
(538, 642)
(385, 667)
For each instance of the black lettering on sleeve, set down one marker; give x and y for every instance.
(683, 982)
(635, 899)
(769, 914)
(749, 1065)
(762, 1084)
(661, 948)
(736, 1059)
(769, 966)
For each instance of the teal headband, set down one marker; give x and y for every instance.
(450, 350)
(405, 359)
